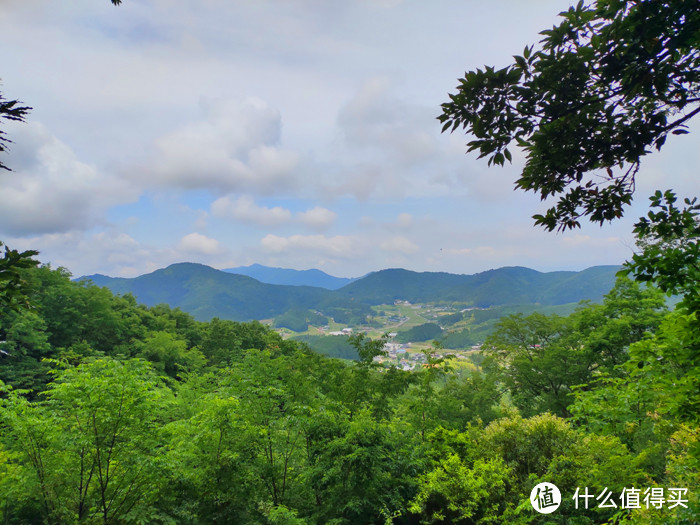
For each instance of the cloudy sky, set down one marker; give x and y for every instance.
(292, 133)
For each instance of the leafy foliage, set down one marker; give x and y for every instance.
(669, 242)
(612, 80)
(332, 346)
(542, 358)
(91, 446)
(13, 290)
(10, 110)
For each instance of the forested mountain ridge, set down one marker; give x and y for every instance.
(508, 285)
(206, 293)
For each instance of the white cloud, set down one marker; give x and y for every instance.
(458, 251)
(384, 3)
(317, 218)
(404, 220)
(376, 119)
(112, 253)
(196, 243)
(337, 246)
(51, 190)
(399, 244)
(391, 147)
(479, 251)
(233, 147)
(273, 165)
(116, 253)
(201, 222)
(245, 210)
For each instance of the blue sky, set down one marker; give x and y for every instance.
(295, 133)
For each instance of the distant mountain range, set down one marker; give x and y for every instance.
(205, 292)
(313, 277)
(508, 285)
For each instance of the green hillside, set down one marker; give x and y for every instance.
(510, 285)
(206, 293)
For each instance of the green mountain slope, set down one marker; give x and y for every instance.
(206, 293)
(510, 285)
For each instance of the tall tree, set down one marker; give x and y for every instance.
(611, 81)
(13, 288)
(93, 444)
(541, 358)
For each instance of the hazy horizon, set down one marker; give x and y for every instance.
(346, 276)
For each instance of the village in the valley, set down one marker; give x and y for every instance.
(400, 317)
(409, 356)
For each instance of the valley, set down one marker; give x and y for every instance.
(416, 308)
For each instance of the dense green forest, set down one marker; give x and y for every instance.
(113, 412)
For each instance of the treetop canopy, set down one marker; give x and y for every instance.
(606, 85)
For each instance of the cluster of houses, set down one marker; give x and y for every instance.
(344, 331)
(399, 355)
